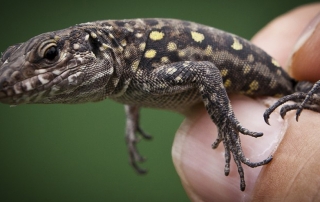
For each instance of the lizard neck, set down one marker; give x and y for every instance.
(131, 36)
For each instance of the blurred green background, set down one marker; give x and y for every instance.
(77, 152)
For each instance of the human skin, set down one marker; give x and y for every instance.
(294, 173)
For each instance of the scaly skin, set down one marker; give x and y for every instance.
(161, 63)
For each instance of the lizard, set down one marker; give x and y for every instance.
(160, 63)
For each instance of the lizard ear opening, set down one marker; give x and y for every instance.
(94, 46)
(94, 43)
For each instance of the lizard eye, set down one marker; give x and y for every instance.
(48, 50)
(51, 53)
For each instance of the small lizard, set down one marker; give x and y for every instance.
(160, 63)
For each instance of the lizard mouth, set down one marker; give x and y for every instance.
(39, 88)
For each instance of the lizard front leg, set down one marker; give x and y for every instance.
(132, 130)
(206, 77)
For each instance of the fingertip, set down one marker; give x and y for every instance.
(305, 61)
(293, 173)
(278, 38)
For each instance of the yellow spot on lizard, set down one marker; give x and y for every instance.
(164, 59)
(134, 65)
(197, 37)
(246, 69)
(208, 50)
(236, 44)
(182, 53)
(171, 46)
(150, 53)
(142, 46)
(254, 85)
(104, 47)
(250, 58)
(227, 83)
(224, 72)
(275, 62)
(155, 35)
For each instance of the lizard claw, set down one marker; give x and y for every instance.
(283, 112)
(266, 117)
(135, 156)
(138, 169)
(298, 113)
(229, 135)
(144, 134)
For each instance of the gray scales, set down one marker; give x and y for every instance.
(160, 63)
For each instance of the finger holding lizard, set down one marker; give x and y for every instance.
(294, 169)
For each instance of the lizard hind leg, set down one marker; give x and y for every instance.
(132, 130)
(306, 97)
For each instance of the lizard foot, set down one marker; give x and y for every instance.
(309, 100)
(133, 129)
(230, 137)
(298, 97)
(134, 155)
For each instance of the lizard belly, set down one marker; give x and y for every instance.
(179, 102)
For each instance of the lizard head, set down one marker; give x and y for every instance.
(66, 66)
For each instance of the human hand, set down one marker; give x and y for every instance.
(294, 173)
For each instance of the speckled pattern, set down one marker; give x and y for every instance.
(161, 63)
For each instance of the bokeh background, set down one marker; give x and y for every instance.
(77, 152)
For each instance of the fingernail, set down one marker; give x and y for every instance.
(304, 61)
(308, 31)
